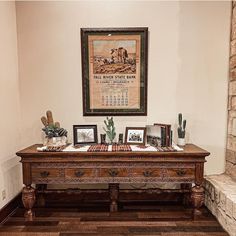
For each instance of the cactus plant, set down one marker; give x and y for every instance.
(182, 126)
(110, 128)
(50, 128)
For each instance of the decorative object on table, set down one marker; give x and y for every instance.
(135, 135)
(85, 134)
(103, 138)
(55, 136)
(114, 71)
(154, 135)
(120, 140)
(114, 148)
(166, 137)
(121, 148)
(98, 148)
(181, 130)
(142, 146)
(110, 129)
(52, 148)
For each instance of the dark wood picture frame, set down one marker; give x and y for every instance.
(137, 129)
(142, 72)
(167, 132)
(75, 136)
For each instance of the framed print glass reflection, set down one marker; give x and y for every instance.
(114, 70)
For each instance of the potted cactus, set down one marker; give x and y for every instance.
(54, 134)
(181, 130)
(110, 129)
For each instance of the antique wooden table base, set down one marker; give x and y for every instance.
(113, 168)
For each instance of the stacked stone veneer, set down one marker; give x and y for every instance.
(231, 135)
(220, 198)
(220, 190)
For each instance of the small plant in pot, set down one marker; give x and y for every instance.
(181, 130)
(54, 134)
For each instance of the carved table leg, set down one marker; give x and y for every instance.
(197, 197)
(186, 196)
(28, 199)
(114, 193)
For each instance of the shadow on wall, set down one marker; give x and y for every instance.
(11, 180)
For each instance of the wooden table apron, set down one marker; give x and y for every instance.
(42, 168)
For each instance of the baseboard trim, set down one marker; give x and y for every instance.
(10, 207)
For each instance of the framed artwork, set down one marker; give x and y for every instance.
(114, 71)
(135, 135)
(85, 134)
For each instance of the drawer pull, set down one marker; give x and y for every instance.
(44, 174)
(147, 173)
(79, 173)
(113, 172)
(181, 172)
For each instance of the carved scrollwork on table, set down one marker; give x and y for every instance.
(113, 165)
(79, 173)
(113, 172)
(181, 172)
(197, 196)
(108, 180)
(147, 173)
(44, 174)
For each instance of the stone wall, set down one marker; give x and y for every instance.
(231, 135)
(220, 190)
(220, 199)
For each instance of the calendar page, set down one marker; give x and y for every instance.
(114, 72)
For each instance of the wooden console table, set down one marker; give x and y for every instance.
(185, 167)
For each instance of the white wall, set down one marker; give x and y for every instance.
(10, 168)
(203, 76)
(188, 58)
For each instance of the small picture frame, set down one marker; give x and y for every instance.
(153, 134)
(135, 135)
(85, 134)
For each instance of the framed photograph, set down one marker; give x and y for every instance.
(135, 135)
(153, 133)
(166, 134)
(114, 71)
(85, 134)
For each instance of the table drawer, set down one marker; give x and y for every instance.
(45, 173)
(72, 173)
(146, 172)
(180, 172)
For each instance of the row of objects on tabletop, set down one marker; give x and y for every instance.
(55, 136)
(110, 131)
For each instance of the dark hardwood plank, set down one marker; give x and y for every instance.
(165, 220)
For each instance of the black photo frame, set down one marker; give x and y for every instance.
(85, 134)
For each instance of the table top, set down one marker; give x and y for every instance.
(189, 150)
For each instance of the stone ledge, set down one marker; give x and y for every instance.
(220, 198)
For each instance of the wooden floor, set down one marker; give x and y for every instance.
(132, 219)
